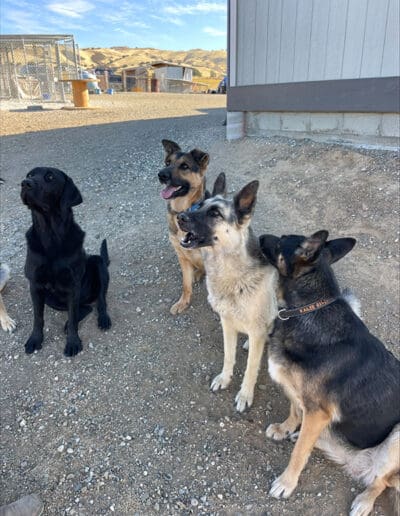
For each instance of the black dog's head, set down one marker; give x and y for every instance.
(219, 221)
(184, 171)
(49, 190)
(295, 255)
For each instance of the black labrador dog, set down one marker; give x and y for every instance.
(60, 273)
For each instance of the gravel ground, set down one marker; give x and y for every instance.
(129, 426)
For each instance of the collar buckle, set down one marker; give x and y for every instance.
(280, 317)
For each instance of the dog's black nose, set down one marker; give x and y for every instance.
(183, 217)
(164, 175)
(27, 183)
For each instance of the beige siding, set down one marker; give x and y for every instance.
(280, 41)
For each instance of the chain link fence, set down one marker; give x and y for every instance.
(34, 67)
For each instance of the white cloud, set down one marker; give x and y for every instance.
(24, 21)
(71, 8)
(174, 21)
(214, 32)
(199, 8)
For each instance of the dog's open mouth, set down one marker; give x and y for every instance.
(169, 191)
(190, 240)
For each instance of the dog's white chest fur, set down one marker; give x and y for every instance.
(241, 292)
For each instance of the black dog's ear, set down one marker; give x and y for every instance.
(200, 157)
(71, 196)
(268, 244)
(219, 186)
(245, 201)
(170, 147)
(338, 248)
(312, 246)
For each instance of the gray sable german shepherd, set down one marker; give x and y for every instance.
(184, 183)
(240, 281)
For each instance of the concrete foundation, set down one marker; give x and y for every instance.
(371, 129)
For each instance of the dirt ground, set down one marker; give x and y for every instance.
(129, 426)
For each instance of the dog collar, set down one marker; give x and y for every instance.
(194, 207)
(284, 314)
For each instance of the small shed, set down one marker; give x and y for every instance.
(160, 76)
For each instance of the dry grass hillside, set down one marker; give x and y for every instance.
(209, 63)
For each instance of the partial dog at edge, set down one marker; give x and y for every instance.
(185, 188)
(60, 273)
(6, 322)
(240, 281)
(342, 383)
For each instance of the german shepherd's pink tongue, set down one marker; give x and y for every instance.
(168, 191)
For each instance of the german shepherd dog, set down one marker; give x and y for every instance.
(342, 383)
(240, 281)
(185, 188)
(60, 273)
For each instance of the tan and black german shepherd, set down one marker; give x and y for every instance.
(343, 384)
(185, 188)
(240, 281)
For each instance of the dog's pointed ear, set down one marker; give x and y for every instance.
(170, 147)
(268, 244)
(245, 201)
(219, 186)
(200, 157)
(312, 246)
(339, 247)
(71, 196)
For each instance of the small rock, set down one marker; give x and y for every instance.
(60, 449)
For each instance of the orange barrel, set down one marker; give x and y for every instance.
(80, 93)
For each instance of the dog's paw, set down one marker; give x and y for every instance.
(179, 307)
(244, 399)
(198, 275)
(7, 323)
(221, 381)
(278, 431)
(282, 487)
(246, 345)
(362, 505)
(104, 321)
(73, 347)
(33, 343)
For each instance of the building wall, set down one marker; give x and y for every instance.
(283, 41)
(314, 67)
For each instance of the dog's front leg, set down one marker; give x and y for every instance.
(311, 427)
(74, 343)
(187, 282)
(279, 431)
(245, 396)
(222, 380)
(35, 340)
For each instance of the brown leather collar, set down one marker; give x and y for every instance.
(284, 314)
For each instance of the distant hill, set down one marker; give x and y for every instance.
(208, 62)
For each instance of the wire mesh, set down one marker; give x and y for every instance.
(33, 67)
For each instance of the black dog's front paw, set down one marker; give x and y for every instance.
(104, 321)
(73, 347)
(34, 342)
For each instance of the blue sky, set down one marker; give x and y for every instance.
(164, 24)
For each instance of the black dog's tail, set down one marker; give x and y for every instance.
(104, 252)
